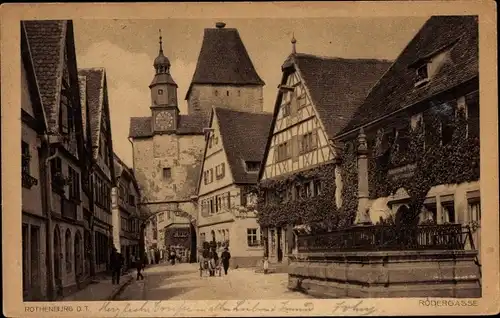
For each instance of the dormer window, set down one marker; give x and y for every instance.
(160, 92)
(252, 166)
(422, 75)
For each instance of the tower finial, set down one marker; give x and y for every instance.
(293, 43)
(161, 43)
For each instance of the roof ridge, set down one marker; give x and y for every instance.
(324, 57)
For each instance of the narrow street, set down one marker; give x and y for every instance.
(183, 282)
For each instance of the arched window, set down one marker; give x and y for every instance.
(68, 248)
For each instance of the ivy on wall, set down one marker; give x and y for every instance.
(319, 211)
(435, 163)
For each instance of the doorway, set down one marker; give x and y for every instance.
(279, 243)
(57, 257)
(78, 258)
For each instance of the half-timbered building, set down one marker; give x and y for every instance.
(102, 174)
(316, 98)
(227, 209)
(52, 50)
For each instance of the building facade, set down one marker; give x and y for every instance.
(233, 154)
(168, 146)
(420, 123)
(64, 189)
(102, 175)
(316, 97)
(126, 214)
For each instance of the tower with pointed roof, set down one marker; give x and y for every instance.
(164, 107)
(225, 75)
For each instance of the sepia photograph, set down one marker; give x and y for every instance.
(245, 159)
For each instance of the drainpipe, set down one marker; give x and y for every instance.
(46, 173)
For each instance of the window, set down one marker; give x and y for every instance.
(252, 237)
(220, 171)
(422, 74)
(286, 110)
(239, 93)
(308, 142)
(448, 212)
(131, 199)
(212, 206)
(283, 151)
(167, 173)
(307, 190)
(253, 166)
(317, 187)
(56, 173)
(124, 224)
(74, 185)
(475, 211)
(25, 157)
(161, 217)
(160, 92)
(211, 175)
(403, 138)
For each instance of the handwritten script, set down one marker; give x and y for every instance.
(185, 308)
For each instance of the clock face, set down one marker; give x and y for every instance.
(164, 121)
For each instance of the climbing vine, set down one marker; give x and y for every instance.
(318, 211)
(349, 176)
(434, 163)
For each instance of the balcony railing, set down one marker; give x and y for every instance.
(68, 209)
(387, 238)
(28, 181)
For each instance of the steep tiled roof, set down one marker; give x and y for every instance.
(338, 86)
(224, 59)
(244, 137)
(46, 41)
(396, 89)
(121, 167)
(95, 90)
(82, 81)
(140, 127)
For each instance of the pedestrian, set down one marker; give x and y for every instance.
(225, 256)
(266, 265)
(172, 257)
(115, 265)
(139, 266)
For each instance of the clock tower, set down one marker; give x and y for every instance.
(164, 107)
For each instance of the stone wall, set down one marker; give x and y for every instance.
(386, 274)
(245, 98)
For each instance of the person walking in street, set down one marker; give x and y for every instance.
(139, 266)
(116, 262)
(225, 256)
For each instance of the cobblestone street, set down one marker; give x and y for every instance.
(183, 282)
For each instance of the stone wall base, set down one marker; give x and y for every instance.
(386, 274)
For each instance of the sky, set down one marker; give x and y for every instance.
(127, 48)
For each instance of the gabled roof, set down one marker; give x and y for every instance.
(140, 127)
(244, 137)
(337, 86)
(32, 80)
(95, 78)
(224, 59)
(396, 89)
(46, 42)
(82, 80)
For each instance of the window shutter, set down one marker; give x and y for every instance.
(276, 157)
(223, 169)
(314, 139)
